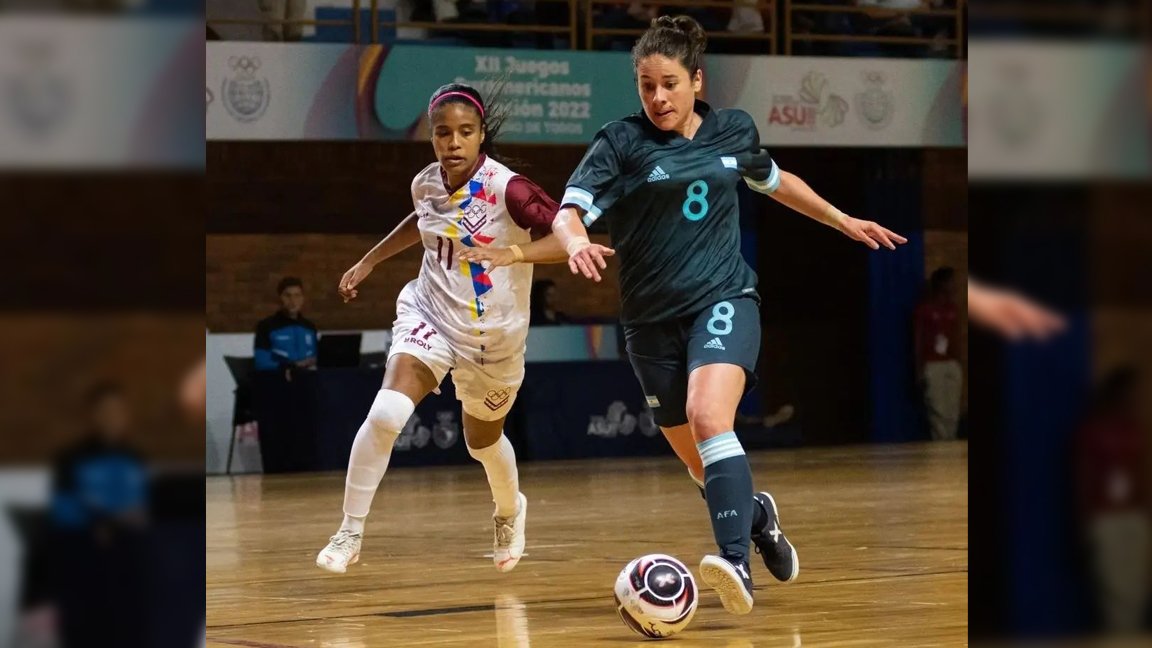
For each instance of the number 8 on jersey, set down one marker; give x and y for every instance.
(696, 205)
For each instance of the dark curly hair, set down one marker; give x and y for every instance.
(680, 38)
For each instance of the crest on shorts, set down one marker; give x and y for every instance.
(497, 398)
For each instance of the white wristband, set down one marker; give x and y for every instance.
(577, 244)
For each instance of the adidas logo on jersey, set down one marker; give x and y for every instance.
(657, 175)
(714, 343)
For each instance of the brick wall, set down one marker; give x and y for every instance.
(243, 269)
(944, 174)
(339, 187)
(51, 360)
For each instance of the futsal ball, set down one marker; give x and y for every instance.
(656, 595)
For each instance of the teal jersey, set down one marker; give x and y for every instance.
(672, 209)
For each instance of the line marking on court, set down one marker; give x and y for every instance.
(249, 644)
(459, 609)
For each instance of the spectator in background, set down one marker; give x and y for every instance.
(283, 10)
(546, 13)
(746, 17)
(937, 333)
(890, 18)
(435, 10)
(544, 312)
(635, 15)
(1111, 483)
(286, 340)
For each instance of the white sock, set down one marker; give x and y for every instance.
(366, 466)
(499, 461)
(371, 451)
(353, 524)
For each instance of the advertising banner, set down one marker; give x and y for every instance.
(826, 101)
(280, 91)
(380, 92)
(551, 96)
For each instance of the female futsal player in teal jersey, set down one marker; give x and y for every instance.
(665, 181)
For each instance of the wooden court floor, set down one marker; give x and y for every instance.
(881, 531)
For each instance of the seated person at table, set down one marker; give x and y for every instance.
(286, 339)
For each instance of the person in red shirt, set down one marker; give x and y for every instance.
(1112, 494)
(937, 330)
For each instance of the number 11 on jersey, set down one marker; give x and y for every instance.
(440, 249)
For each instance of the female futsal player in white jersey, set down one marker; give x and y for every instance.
(456, 316)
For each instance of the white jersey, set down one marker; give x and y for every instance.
(483, 312)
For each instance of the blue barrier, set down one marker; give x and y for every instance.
(565, 410)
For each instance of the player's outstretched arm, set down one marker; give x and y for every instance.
(402, 237)
(1010, 314)
(796, 194)
(548, 249)
(583, 257)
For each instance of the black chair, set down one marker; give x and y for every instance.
(241, 369)
(31, 525)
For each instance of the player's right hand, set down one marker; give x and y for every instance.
(495, 257)
(351, 279)
(589, 260)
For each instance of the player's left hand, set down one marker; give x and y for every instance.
(756, 165)
(871, 234)
(494, 256)
(589, 260)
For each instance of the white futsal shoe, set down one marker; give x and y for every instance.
(508, 544)
(343, 549)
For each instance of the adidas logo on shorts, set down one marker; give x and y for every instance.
(657, 175)
(714, 343)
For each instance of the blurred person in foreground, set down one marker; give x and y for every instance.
(1111, 482)
(192, 396)
(1009, 314)
(193, 392)
(99, 504)
(937, 331)
(100, 483)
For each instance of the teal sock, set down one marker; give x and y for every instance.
(728, 490)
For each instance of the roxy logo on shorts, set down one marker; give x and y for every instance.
(497, 398)
(420, 340)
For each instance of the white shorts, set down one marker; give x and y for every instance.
(486, 390)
